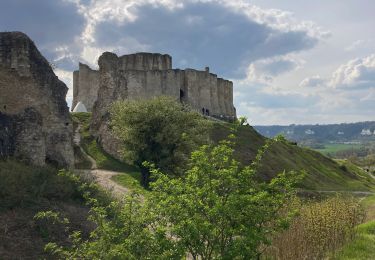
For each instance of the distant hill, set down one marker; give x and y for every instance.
(348, 132)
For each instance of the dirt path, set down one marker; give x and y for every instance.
(102, 177)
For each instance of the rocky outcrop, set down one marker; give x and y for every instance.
(35, 124)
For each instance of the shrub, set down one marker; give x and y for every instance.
(321, 228)
(216, 210)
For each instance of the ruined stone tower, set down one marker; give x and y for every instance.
(35, 125)
(144, 76)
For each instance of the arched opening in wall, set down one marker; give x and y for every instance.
(182, 96)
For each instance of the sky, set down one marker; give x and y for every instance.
(291, 61)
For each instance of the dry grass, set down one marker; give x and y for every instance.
(321, 228)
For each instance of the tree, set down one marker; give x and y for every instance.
(160, 130)
(218, 210)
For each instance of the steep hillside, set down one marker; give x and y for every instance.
(322, 173)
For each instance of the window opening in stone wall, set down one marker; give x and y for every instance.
(182, 95)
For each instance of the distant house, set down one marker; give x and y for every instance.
(366, 132)
(340, 132)
(309, 132)
(289, 132)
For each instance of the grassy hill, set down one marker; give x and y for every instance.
(322, 173)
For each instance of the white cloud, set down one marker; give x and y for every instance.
(285, 34)
(276, 19)
(370, 96)
(314, 81)
(264, 70)
(357, 73)
(67, 78)
(358, 44)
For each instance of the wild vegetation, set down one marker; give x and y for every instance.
(216, 207)
(320, 229)
(160, 131)
(322, 173)
(26, 190)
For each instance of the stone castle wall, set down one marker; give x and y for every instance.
(35, 124)
(144, 76)
(86, 86)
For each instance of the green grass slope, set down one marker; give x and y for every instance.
(323, 173)
(362, 247)
(130, 176)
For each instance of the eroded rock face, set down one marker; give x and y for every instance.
(35, 124)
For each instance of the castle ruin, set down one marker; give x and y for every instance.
(35, 125)
(144, 76)
(147, 75)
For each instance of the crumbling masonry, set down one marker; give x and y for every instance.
(35, 124)
(144, 76)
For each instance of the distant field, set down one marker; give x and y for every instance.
(334, 148)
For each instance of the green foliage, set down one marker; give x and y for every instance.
(23, 185)
(218, 210)
(160, 130)
(242, 120)
(92, 148)
(363, 245)
(129, 176)
(50, 222)
(132, 181)
(124, 231)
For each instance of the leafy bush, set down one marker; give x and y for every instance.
(160, 130)
(216, 210)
